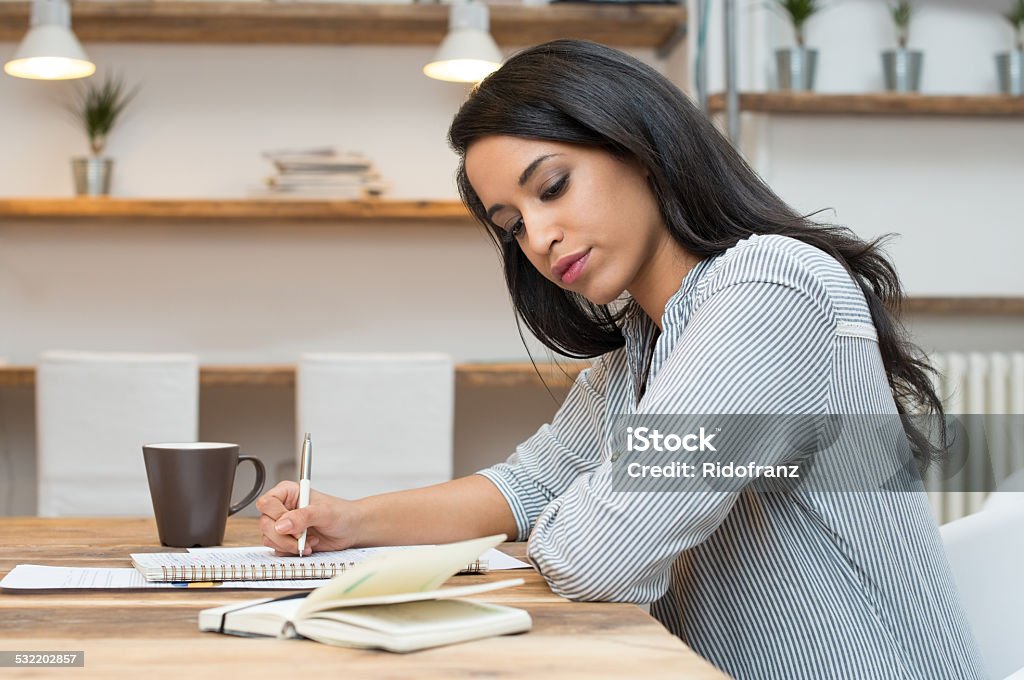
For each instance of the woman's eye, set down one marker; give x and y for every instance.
(515, 229)
(555, 189)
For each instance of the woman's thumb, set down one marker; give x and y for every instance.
(294, 521)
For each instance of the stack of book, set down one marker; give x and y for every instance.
(322, 173)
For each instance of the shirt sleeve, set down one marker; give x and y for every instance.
(544, 466)
(750, 348)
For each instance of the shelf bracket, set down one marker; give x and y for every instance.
(732, 95)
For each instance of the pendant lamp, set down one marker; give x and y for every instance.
(50, 51)
(468, 53)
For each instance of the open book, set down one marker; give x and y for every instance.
(390, 601)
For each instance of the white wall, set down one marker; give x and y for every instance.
(206, 112)
(246, 293)
(949, 187)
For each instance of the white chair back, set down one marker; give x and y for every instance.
(986, 552)
(94, 411)
(1009, 493)
(379, 422)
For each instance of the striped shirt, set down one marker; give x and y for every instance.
(808, 584)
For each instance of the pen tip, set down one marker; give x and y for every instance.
(307, 436)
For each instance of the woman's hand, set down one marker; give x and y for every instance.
(330, 522)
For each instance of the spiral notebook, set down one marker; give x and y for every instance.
(257, 564)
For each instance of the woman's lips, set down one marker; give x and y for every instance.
(574, 269)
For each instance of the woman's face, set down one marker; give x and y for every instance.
(586, 220)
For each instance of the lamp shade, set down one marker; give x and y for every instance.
(468, 53)
(50, 51)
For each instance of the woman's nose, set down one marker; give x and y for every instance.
(542, 233)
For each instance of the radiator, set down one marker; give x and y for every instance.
(979, 383)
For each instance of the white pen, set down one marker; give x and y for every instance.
(305, 463)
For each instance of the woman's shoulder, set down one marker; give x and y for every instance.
(789, 262)
(772, 258)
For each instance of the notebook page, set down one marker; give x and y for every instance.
(401, 571)
(217, 560)
(494, 559)
(499, 561)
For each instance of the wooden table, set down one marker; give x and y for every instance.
(154, 633)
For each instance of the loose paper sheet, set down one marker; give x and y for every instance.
(37, 577)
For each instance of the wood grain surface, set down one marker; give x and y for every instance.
(155, 634)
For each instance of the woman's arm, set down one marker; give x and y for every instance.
(751, 348)
(462, 508)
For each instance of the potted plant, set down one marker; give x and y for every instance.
(902, 66)
(797, 65)
(1011, 64)
(97, 108)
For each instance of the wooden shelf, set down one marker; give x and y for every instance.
(880, 104)
(350, 23)
(980, 306)
(230, 210)
(283, 375)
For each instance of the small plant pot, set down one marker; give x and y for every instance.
(92, 175)
(1011, 72)
(902, 69)
(797, 67)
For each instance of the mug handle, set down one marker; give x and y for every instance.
(257, 489)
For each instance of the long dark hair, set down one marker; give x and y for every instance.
(584, 93)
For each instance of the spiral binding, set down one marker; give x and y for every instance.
(274, 572)
(253, 572)
(475, 567)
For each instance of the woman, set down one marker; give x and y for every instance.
(632, 232)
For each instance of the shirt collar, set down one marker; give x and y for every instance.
(637, 326)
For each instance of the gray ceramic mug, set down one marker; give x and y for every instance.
(190, 484)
